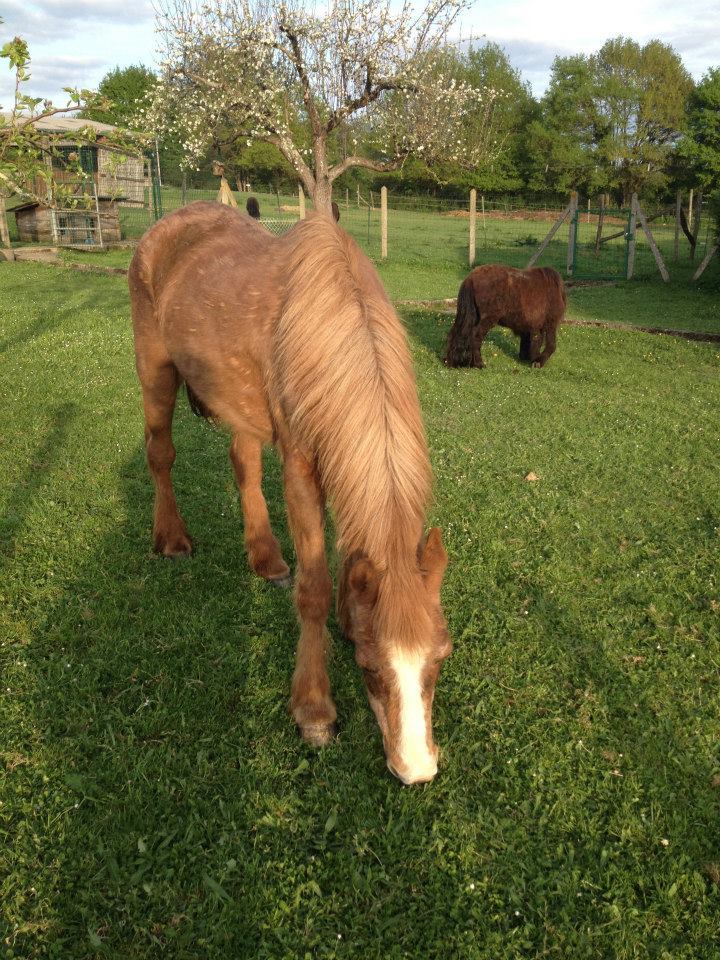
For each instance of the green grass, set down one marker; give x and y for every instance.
(155, 799)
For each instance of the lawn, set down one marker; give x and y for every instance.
(154, 797)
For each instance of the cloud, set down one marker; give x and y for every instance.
(50, 20)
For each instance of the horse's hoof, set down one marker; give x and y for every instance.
(319, 734)
(282, 583)
(174, 549)
(537, 365)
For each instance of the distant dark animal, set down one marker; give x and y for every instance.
(253, 208)
(335, 212)
(531, 303)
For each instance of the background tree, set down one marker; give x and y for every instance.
(123, 89)
(27, 152)
(258, 68)
(699, 150)
(561, 143)
(640, 97)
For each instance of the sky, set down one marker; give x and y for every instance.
(75, 42)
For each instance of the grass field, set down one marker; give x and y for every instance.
(155, 800)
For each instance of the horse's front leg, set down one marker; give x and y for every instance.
(536, 341)
(311, 701)
(524, 355)
(262, 547)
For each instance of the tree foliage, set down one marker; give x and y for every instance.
(123, 90)
(260, 70)
(610, 121)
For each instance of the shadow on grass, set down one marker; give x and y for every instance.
(37, 474)
(184, 816)
(426, 327)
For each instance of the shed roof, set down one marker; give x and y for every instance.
(62, 124)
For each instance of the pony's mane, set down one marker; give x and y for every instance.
(345, 378)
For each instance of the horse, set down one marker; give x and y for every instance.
(292, 340)
(530, 302)
(253, 208)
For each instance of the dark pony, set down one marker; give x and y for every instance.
(531, 303)
(253, 208)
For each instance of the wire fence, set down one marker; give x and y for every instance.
(424, 231)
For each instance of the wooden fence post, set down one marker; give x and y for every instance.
(570, 264)
(678, 207)
(631, 240)
(690, 208)
(473, 221)
(653, 246)
(383, 222)
(601, 217)
(551, 233)
(347, 199)
(708, 257)
(301, 201)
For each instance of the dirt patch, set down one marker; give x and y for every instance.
(536, 216)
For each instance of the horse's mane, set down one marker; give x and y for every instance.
(346, 381)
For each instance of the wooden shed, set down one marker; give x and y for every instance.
(124, 182)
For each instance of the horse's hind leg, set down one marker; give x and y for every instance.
(478, 335)
(549, 346)
(262, 548)
(160, 384)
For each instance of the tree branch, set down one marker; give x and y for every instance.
(380, 166)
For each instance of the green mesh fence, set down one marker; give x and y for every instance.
(433, 234)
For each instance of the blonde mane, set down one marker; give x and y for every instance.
(347, 386)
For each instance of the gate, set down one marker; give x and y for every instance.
(600, 240)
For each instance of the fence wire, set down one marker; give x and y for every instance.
(426, 231)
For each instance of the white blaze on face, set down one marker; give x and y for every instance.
(418, 763)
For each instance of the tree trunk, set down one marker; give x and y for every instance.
(322, 195)
(4, 229)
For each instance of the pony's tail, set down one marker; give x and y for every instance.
(459, 345)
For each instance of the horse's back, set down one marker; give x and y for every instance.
(204, 290)
(512, 295)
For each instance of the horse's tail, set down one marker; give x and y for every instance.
(459, 344)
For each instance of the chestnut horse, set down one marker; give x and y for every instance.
(530, 302)
(292, 340)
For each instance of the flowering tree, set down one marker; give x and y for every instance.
(312, 83)
(27, 147)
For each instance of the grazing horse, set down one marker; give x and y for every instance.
(292, 340)
(531, 303)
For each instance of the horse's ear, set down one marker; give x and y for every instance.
(433, 561)
(363, 581)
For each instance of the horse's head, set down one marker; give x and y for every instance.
(401, 640)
